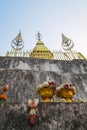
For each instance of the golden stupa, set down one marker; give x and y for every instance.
(40, 50)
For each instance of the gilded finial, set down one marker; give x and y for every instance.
(38, 36)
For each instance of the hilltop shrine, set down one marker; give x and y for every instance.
(42, 52)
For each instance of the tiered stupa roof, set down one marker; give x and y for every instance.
(40, 50)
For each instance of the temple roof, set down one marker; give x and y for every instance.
(40, 46)
(68, 55)
(42, 52)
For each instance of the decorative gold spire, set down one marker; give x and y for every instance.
(17, 42)
(17, 45)
(67, 44)
(19, 37)
(65, 39)
(40, 50)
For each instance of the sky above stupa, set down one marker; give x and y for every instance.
(49, 17)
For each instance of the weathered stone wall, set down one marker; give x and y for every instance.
(60, 66)
(24, 74)
(22, 83)
(51, 116)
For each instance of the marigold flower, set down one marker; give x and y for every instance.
(3, 96)
(5, 88)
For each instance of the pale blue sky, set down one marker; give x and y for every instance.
(50, 17)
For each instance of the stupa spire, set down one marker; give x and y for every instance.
(38, 36)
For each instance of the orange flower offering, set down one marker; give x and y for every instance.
(3, 96)
(5, 88)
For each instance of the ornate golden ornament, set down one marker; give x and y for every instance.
(66, 91)
(46, 90)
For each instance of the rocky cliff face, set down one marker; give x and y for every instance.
(24, 74)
